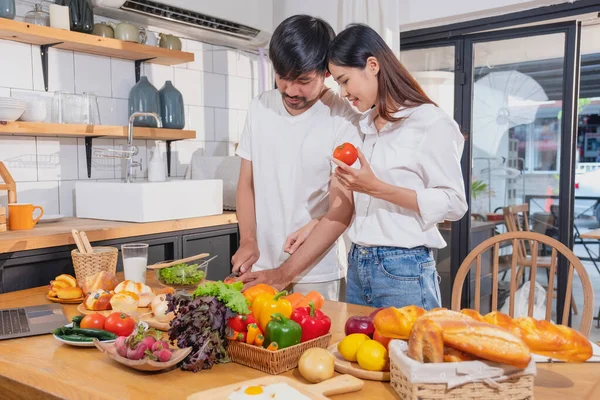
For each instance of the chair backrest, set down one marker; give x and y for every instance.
(516, 219)
(475, 257)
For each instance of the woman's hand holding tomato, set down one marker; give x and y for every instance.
(361, 180)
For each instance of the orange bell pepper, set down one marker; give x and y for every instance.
(294, 299)
(316, 298)
(254, 291)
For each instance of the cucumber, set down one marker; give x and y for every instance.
(76, 338)
(77, 321)
(90, 333)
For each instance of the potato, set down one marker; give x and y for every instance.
(316, 365)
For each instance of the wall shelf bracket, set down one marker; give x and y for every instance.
(44, 54)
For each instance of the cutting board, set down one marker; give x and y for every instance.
(338, 385)
(346, 367)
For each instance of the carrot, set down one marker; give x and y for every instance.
(294, 298)
(315, 297)
(273, 346)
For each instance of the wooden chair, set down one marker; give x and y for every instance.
(516, 219)
(535, 239)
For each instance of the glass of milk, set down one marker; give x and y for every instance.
(135, 260)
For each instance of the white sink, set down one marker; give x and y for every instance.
(148, 201)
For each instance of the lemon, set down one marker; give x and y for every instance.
(372, 356)
(350, 344)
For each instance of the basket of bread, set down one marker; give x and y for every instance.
(89, 264)
(447, 354)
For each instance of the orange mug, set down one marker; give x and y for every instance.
(20, 216)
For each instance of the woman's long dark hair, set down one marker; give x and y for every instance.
(354, 45)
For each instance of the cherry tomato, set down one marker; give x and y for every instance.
(93, 321)
(120, 324)
(346, 153)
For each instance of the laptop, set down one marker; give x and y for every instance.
(30, 321)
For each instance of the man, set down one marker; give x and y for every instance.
(285, 186)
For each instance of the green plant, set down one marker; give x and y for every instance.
(477, 188)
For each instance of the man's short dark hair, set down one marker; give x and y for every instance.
(299, 45)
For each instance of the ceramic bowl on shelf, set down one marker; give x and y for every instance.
(10, 113)
(35, 111)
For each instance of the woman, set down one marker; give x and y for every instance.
(409, 178)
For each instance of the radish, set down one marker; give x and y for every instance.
(149, 341)
(121, 346)
(163, 355)
(138, 352)
(160, 345)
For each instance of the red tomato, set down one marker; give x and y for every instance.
(93, 321)
(346, 153)
(385, 341)
(120, 324)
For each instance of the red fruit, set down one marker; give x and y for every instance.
(346, 153)
(385, 341)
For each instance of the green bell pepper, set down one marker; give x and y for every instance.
(282, 330)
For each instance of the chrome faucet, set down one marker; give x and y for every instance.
(130, 164)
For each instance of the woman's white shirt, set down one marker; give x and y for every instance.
(421, 152)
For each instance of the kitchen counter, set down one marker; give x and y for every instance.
(46, 235)
(41, 367)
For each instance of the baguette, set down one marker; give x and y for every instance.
(453, 355)
(461, 332)
(545, 338)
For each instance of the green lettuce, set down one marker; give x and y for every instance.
(229, 294)
(181, 274)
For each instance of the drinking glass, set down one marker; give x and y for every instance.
(73, 109)
(90, 110)
(58, 107)
(135, 260)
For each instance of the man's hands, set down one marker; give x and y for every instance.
(245, 257)
(278, 278)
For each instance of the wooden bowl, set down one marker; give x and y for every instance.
(346, 367)
(145, 364)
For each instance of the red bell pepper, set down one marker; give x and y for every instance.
(240, 323)
(313, 322)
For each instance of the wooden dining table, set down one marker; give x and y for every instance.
(40, 367)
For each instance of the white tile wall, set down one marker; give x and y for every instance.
(92, 75)
(61, 70)
(217, 87)
(57, 159)
(17, 72)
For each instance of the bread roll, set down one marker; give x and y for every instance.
(126, 302)
(60, 284)
(98, 300)
(71, 281)
(68, 293)
(101, 281)
(397, 322)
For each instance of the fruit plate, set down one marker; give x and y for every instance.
(346, 367)
(143, 365)
(81, 344)
(65, 301)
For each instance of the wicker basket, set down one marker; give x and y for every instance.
(273, 362)
(517, 388)
(87, 264)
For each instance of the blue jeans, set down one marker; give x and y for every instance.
(392, 277)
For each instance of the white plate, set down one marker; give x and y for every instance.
(51, 218)
(79, 344)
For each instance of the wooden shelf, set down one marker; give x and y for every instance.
(21, 128)
(85, 43)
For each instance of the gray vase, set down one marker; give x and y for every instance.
(172, 112)
(144, 97)
(8, 9)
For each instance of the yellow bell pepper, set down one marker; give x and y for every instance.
(265, 305)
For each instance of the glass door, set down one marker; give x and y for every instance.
(521, 88)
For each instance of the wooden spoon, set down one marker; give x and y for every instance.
(78, 241)
(171, 263)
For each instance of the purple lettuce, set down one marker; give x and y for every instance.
(199, 323)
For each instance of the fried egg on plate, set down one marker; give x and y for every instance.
(276, 391)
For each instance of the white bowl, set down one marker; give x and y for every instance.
(11, 113)
(35, 112)
(5, 101)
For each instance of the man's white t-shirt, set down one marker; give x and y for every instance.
(291, 165)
